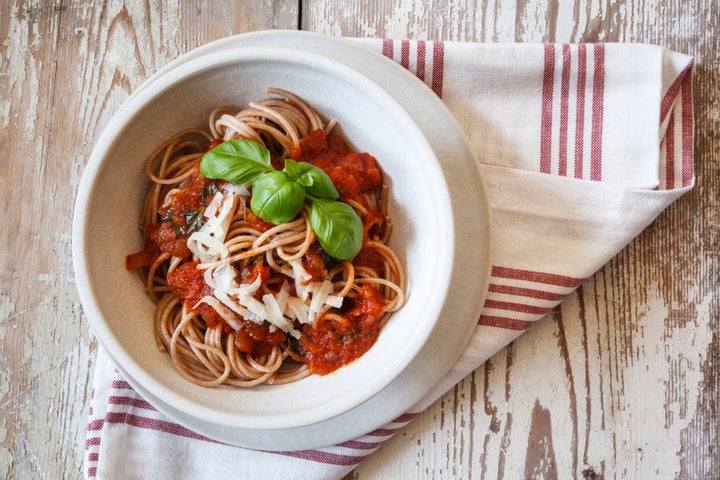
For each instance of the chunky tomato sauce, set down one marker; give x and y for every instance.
(256, 222)
(326, 345)
(329, 344)
(187, 283)
(353, 174)
(179, 218)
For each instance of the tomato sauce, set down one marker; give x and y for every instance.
(353, 174)
(328, 345)
(179, 218)
(257, 339)
(256, 222)
(371, 258)
(251, 271)
(314, 263)
(188, 284)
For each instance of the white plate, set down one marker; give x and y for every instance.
(471, 269)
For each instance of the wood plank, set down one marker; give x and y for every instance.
(66, 68)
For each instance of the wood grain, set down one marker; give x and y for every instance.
(66, 68)
(620, 381)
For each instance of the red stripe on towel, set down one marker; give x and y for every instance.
(421, 60)
(405, 53)
(547, 108)
(154, 424)
(564, 107)
(526, 292)
(580, 111)
(130, 401)
(388, 48)
(598, 111)
(517, 307)
(687, 131)
(672, 92)
(670, 153)
(438, 67)
(537, 277)
(504, 322)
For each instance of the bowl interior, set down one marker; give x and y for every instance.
(114, 185)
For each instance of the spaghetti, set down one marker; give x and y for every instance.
(241, 301)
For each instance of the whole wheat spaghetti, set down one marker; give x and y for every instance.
(241, 301)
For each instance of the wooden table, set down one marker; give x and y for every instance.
(619, 382)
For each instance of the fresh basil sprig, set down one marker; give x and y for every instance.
(276, 198)
(337, 227)
(237, 161)
(279, 195)
(315, 180)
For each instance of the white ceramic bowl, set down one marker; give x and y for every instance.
(110, 199)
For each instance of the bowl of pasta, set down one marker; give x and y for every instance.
(263, 238)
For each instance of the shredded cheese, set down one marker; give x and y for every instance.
(301, 277)
(228, 296)
(207, 244)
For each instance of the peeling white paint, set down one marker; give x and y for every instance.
(56, 376)
(7, 310)
(15, 46)
(367, 30)
(402, 22)
(6, 458)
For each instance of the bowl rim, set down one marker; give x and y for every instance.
(106, 142)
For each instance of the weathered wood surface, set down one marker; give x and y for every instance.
(620, 382)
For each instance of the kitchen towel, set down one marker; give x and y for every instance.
(581, 147)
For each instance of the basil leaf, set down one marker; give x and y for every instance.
(314, 179)
(337, 227)
(193, 221)
(276, 198)
(238, 161)
(208, 191)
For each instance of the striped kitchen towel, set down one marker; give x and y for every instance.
(581, 146)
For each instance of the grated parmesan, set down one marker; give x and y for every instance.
(280, 310)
